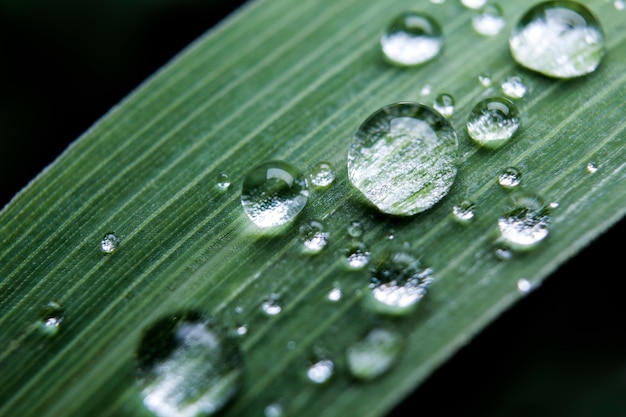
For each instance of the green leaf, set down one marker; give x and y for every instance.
(280, 80)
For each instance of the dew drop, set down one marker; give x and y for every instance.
(526, 224)
(444, 104)
(510, 178)
(335, 294)
(560, 39)
(489, 21)
(514, 87)
(109, 243)
(493, 121)
(375, 354)
(271, 305)
(274, 410)
(274, 193)
(403, 158)
(503, 253)
(357, 256)
(50, 318)
(411, 39)
(242, 330)
(619, 4)
(464, 212)
(426, 90)
(398, 281)
(355, 229)
(314, 236)
(592, 168)
(322, 175)
(320, 371)
(524, 286)
(485, 79)
(474, 4)
(223, 181)
(187, 365)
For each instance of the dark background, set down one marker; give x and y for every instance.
(561, 351)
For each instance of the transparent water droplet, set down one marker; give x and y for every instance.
(444, 104)
(314, 236)
(357, 256)
(474, 4)
(403, 158)
(412, 38)
(510, 178)
(619, 4)
(320, 371)
(50, 318)
(485, 79)
(524, 285)
(187, 365)
(223, 181)
(273, 410)
(355, 229)
(464, 212)
(526, 224)
(242, 330)
(514, 87)
(426, 90)
(503, 253)
(398, 281)
(560, 39)
(109, 243)
(592, 168)
(375, 354)
(335, 294)
(493, 121)
(274, 193)
(489, 21)
(271, 305)
(322, 174)
(554, 205)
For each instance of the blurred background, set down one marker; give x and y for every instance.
(559, 352)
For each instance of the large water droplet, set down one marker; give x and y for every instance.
(273, 193)
(411, 39)
(50, 318)
(510, 178)
(398, 282)
(493, 121)
(526, 224)
(489, 21)
(187, 365)
(444, 104)
(322, 174)
(314, 236)
(375, 354)
(320, 371)
(560, 39)
(109, 243)
(403, 158)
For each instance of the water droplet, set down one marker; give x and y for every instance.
(320, 371)
(322, 175)
(357, 256)
(426, 90)
(274, 410)
(335, 294)
(403, 158)
(109, 243)
(242, 330)
(437, 1)
(375, 354)
(619, 4)
(514, 87)
(50, 318)
(355, 229)
(271, 305)
(223, 181)
(397, 283)
(273, 193)
(554, 205)
(510, 178)
(444, 104)
(314, 236)
(526, 224)
(474, 4)
(485, 79)
(560, 39)
(524, 285)
(592, 168)
(187, 365)
(489, 21)
(411, 39)
(464, 211)
(503, 253)
(493, 121)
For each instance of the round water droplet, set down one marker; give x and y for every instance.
(503, 253)
(109, 243)
(274, 193)
(493, 121)
(464, 212)
(426, 90)
(223, 181)
(485, 79)
(398, 281)
(357, 256)
(511, 177)
(474, 4)
(592, 168)
(526, 224)
(560, 39)
(50, 318)
(274, 410)
(524, 285)
(444, 104)
(355, 229)
(619, 4)
(314, 236)
(322, 175)
(242, 330)
(187, 365)
(320, 371)
(335, 294)
(411, 39)
(375, 354)
(514, 87)
(403, 158)
(489, 21)
(271, 305)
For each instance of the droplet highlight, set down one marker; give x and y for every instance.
(321, 371)
(510, 178)
(335, 294)
(109, 243)
(50, 318)
(411, 39)
(223, 181)
(526, 224)
(464, 212)
(271, 305)
(314, 236)
(357, 256)
(493, 121)
(373, 356)
(592, 168)
(514, 87)
(444, 104)
(355, 229)
(473, 4)
(490, 20)
(403, 158)
(322, 175)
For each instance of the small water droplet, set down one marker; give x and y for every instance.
(485, 79)
(238, 309)
(473, 4)
(50, 318)
(403, 158)
(274, 193)
(375, 354)
(493, 121)
(514, 87)
(411, 39)
(524, 285)
(320, 371)
(187, 365)
(242, 330)
(554, 205)
(314, 236)
(271, 305)
(357, 256)
(335, 294)
(510, 178)
(503, 253)
(291, 345)
(464, 212)
(109, 243)
(426, 90)
(560, 39)
(398, 281)
(489, 21)
(619, 4)
(223, 181)
(444, 104)
(437, 1)
(274, 410)
(526, 224)
(355, 229)
(322, 174)
(592, 168)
